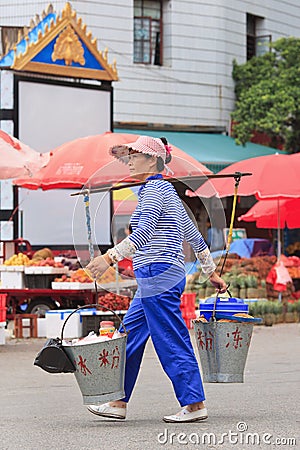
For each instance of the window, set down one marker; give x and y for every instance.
(256, 44)
(9, 36)
(148, 32)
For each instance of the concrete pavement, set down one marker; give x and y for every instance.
(40, 411)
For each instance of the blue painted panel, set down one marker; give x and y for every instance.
(45, 57)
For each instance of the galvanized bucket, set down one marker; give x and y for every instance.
(100, 366)
(223, 349)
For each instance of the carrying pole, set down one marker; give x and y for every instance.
(201, 179)
(86, 200)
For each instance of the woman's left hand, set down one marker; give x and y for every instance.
(98, 266)
(218, 283)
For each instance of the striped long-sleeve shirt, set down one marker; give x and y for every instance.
(160, 224)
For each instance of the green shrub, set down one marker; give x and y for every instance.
(277, 308)
(260, 308)
(241, 280)
(251, 281)
(253, 309)
(291, 307)
(268, 307)
(297, 305)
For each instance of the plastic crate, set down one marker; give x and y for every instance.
(71, 285)
(91, 320)
(12, 280)
(3, 307)
(46, 270)
(2, 314)
(3, 301)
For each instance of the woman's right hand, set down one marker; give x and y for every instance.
(98, 266)
(218, 283)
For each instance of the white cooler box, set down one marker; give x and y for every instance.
(56, 319)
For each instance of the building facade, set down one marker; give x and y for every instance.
(174, 62)
(174, 58)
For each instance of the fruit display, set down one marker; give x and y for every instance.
(293, 249)
(49, 262)
(83, 276)
(247, 277)
(108, 277)
(72, 264)
(19, 259)
(294, 272)
(79, 276)
(41, 254)
(114, 301)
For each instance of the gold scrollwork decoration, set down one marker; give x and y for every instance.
(68, 47)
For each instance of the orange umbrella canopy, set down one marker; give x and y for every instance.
(87, 162)
(274, 213)
(273, 176)
(17, 159)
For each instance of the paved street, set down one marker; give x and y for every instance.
(40, 411)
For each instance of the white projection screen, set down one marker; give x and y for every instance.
(50, 115)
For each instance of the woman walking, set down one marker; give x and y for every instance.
(159, 225)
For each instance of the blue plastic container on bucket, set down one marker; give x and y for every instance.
(224, 305)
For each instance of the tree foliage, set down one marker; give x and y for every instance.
(267, 88)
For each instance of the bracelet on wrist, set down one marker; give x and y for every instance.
(108, 259)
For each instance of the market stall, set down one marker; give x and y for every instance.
(35, 285)
(255, 280)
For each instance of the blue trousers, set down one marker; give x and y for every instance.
(155, 311)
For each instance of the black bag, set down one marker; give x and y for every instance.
(53, 359)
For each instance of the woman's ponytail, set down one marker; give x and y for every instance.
(168, 149)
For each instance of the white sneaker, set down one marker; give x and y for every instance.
(106, 410)
(187, 416)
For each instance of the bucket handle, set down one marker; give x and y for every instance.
(213, 317)
(97, 305)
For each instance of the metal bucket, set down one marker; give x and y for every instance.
(223, 349)
(100, 366)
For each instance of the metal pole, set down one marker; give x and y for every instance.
(278, 232)
(278, 242)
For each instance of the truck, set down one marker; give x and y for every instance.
(33, 300)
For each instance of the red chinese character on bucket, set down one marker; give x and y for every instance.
(237, 339)
(205, 340)
(115, 357)
(83, 367)
(103, 358)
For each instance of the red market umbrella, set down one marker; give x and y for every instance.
(273, 177)
(274, 214)
(87, 162)
(17, 159)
